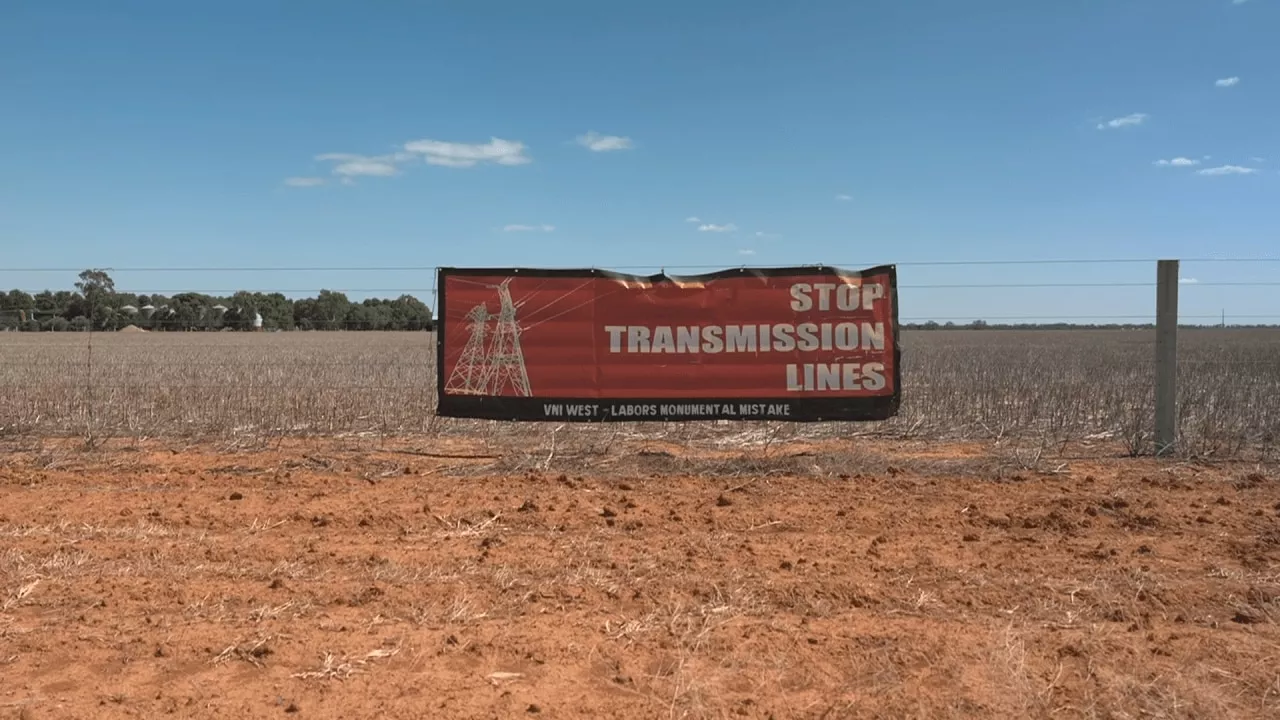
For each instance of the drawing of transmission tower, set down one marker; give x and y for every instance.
(505, 360)
(467, 377)
(491, 369)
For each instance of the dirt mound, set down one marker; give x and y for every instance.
(132, 329)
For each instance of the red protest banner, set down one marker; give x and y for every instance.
(808, 343)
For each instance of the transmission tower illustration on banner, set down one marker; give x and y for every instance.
(498, 366)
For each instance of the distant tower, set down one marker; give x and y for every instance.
(468, 375)
(505, 364)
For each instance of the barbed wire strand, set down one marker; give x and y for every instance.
(931, 286)
(1150, 318)
(423, 268)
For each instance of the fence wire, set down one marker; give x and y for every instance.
(997, 378)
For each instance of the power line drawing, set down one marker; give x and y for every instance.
(494, 368)
(468, 375)
(506, 360)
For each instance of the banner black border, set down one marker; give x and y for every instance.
(484, 407)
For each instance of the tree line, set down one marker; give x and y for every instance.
(95, 304)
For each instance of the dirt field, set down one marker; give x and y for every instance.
(342, 579)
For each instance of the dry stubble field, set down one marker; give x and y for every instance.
(275, 527)
(1040, 387)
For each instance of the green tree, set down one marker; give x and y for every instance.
(304, 314)
(241, 310)
(15, 309)
(160, 318)
(46, 302)
(17, 300)
(327, 311)
(331, 309)
(362, 317)
(96, 305)
(189, 311)
(98, 290)
(410, 313)
(277, 311)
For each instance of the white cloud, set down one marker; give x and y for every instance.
(1227, 170)
(1258, 159)
(844, 198)
(1239, 2)
(595, 142)
(1227, 82)
(464, 155)
(528, 228)
(350, 165)
(1132, 120)
(746, 252)
(459, 155)
(692, 219)
(712, 227)
(1178, 162)
(377, 168)
(1188, 281)
(767, 236)
(304, 181)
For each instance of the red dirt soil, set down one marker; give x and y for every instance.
(339, 580)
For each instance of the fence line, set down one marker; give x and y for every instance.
(958, 383)
(906, 263)
(904, 286)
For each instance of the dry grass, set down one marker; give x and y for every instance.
(216, 385)
(1027, 390)
(334, 668)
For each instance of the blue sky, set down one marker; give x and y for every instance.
(148, 133)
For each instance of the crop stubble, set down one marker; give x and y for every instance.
(1050, 386)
